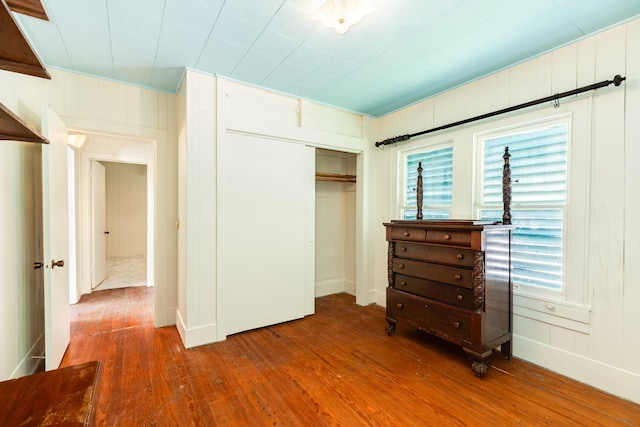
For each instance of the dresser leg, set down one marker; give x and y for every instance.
(479, 363)
(505, 349)
(479, 367)
(391, 326)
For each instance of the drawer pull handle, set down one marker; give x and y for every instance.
(459, 256)
(403, 283)
(403, 249)
(399, 305)
(460, 297)
(400, 265)
(406, 233)
(447, 237)
(457, 277)
(456, 325)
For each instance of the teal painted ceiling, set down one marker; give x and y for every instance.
(405, 51)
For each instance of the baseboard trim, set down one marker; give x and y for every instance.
(198, 336)
(329, 287)
(29, 364)
(610, 379)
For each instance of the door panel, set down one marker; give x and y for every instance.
(55, 221)
(98, 206)
(263, 231)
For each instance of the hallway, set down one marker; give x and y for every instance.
(124, 272)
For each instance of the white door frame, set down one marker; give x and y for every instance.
(123, 150)
(98, 224)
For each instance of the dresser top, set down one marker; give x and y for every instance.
(447, 223)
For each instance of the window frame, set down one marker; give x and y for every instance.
(478, 206)
(568, 308)
(402, 173)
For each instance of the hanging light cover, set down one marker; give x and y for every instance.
(342, 14)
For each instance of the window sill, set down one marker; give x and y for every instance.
(576, 317)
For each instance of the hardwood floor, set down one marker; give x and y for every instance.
(335, 368)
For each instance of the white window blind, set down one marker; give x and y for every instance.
(539, 194)
(437, 182)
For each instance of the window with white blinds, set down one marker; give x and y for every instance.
(437, 183)
(539, 196)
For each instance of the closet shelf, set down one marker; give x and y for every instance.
(16, 54)
(28, 7)
(334, 177)
(13, 128)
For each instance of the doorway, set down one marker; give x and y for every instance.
(119, 225)
(125, 157)
(335, 254)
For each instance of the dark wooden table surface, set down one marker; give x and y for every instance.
(65, 396)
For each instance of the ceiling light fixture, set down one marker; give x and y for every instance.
(342, 14)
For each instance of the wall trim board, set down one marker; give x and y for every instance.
(31, 360)
(619, 382)
(329, 287)
(315, 138)
(198, 336)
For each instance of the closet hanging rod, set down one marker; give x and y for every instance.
(617, 80)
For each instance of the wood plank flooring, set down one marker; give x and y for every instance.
(335, 368)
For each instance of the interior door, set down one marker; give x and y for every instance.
(98, 206)
(55, 222)
(265, 231)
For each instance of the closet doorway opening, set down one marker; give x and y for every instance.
(336, 200)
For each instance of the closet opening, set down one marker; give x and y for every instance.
(335, 254)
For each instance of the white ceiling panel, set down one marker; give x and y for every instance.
(405, 51)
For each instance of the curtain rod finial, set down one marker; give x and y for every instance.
(618, 79)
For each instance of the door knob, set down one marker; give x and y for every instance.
(106, 232)
(37, 265)
(55, 264)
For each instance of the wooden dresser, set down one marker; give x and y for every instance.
(452, 279)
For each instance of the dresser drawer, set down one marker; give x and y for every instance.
(453, 256)
(406, 233)
(435, 272)
(449, 237)
(439, 319)
(454, 295)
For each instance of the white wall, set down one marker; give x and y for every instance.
(335, 225)
(126, 209)
(602, 348)
(84, 104)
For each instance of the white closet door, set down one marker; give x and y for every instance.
(264, 223)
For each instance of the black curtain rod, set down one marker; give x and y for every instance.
(617, 80)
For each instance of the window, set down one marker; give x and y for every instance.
(437, 183)
(539, 199)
